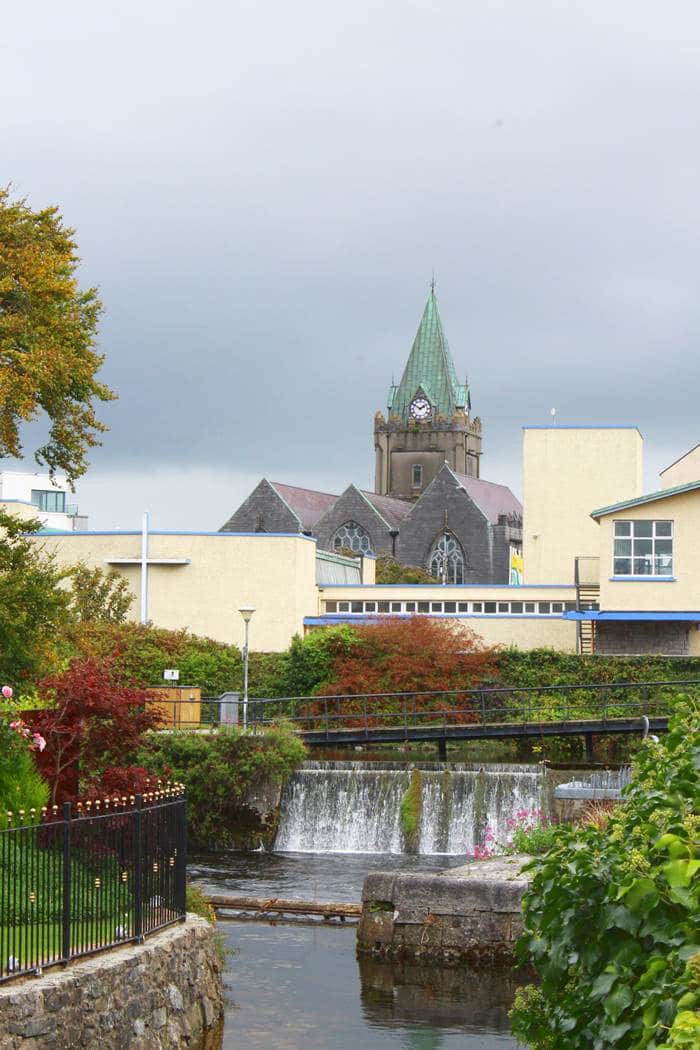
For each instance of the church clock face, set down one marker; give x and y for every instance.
(420, 408)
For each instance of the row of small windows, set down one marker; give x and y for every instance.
(480, 608)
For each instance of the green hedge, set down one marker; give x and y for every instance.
(533, 667)
(222, 772)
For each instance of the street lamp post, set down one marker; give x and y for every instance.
(246, 612)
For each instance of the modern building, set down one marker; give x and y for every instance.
(649, 568)
(38, 496)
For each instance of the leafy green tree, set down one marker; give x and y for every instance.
(48, 325)
(311, 659)
(611, 919)
(139, 653)
(98, 595)
(33, 604)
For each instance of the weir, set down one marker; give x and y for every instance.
(355, 807)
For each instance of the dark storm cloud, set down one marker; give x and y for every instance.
(262, 190)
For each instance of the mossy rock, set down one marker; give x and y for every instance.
(411, 811)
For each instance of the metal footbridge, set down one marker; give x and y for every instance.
(492, 713)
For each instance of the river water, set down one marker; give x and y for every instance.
(300, 984)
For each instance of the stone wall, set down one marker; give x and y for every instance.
(484, 545)
(166, 992)
(471, 913)
(659, 636)
(352, 506)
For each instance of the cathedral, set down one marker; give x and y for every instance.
(430, 506)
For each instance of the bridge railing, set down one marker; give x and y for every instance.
(486, 706)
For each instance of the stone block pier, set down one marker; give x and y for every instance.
(470, 913)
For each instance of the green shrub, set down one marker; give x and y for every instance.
(389, 570)
(534, 840)
(611, 919)
(220, 772)
(139, 653)
(197, 902)
(21, 786)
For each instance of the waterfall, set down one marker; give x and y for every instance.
(353, 807)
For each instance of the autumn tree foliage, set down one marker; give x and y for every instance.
(99, 595)
(418, 654)
(48, 325)
(90, 723)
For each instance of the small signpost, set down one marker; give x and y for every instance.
(171, 674)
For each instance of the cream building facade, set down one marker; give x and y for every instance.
(567, 471)
(199, 581)
(642, 556)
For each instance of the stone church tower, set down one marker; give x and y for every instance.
(428, 422)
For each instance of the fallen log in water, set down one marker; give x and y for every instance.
(279, 906)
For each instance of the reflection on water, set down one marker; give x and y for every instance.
(406, 993)
(294, 986)
(291, 987)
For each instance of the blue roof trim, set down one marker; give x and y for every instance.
(642, 579)
(455, 588)
(584, 426)
(596, 614)
(161, 532)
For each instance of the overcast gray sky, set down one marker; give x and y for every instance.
(262, 190)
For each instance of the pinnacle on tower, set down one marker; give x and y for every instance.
(430, 370)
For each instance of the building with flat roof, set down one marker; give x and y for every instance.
(39, 496)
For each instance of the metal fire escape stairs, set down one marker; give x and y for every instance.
(587, 582)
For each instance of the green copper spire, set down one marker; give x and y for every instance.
(430, 370)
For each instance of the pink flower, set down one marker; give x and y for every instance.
(7, 691)
(39, 741)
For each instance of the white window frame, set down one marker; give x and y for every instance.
(667, 572)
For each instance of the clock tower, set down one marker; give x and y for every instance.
(428, 420)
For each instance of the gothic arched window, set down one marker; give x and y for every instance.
(352, 536)
(446, 561)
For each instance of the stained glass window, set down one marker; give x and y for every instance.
(352, 536)
(446, 561)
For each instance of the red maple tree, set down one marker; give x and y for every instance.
(92, 723)
(418, 654)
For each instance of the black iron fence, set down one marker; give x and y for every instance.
(486, 706)
(79, 879)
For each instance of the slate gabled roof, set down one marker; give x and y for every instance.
(391, 509)
(492, 499)
(429, 368)
(307, 504)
